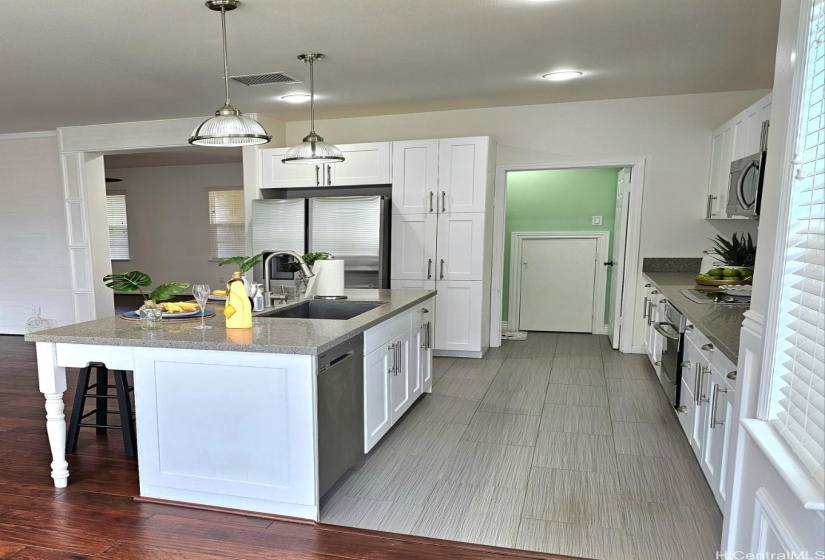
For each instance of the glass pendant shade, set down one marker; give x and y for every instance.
(313, 150)
(229, 128)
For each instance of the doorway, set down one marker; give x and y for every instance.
(618, 218)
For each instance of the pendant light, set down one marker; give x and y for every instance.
(228, 127)
(313, 149)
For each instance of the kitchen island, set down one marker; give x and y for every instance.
(230, 418)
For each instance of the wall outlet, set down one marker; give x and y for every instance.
(35, 310)
(597, 221)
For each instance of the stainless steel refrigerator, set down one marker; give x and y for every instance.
(353, 228)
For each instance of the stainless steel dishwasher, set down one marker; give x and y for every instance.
(340, 411)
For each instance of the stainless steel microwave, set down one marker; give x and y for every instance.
(745, 190)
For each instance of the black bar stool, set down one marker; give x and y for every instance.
(102, 411)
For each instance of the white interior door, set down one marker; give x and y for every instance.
(617, 256)
(558, 277)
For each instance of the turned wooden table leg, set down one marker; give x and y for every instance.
(52, 381)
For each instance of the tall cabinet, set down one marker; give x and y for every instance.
(442, 234)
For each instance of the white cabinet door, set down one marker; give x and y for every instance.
(726, 413)
(412, 284)
(278, 175)
(686, 412)
(457, 316)
(401, 396)
(415, 177)
(413, 246)
(721, 158)
(460, 247)
(462, 174)
(653, 340)
(698, 440)
(714, 449)
(364, 164)
(377, 413)
(426, 356)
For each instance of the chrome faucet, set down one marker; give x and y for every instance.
(304, 269)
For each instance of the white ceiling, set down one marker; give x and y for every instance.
(98, 61)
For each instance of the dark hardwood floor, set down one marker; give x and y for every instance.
(96, 516)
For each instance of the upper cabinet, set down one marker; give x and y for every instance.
(740, 137)
(441, 176)
(364, 164)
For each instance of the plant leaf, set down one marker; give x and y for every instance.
(128, 281)
(233, 260)
(167, 290)
(250, 262)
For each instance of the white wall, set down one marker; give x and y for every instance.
(168, 213)
(673, 133)
(34, 254)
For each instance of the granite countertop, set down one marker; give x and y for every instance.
(720, 323)
(268, 334)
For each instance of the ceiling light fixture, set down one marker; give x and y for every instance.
(228, 127)
(563, 76)
(313, 149)
(296, 97)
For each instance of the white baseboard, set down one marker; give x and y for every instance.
(605, 330)
(638, 350)
(504, 326)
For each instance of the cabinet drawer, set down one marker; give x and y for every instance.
(695, 336)
(422, 312)
(381, 334)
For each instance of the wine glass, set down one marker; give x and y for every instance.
(201, 293)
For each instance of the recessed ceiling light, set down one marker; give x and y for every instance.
(563, 75)
(296, 98)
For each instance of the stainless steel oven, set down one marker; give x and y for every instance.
(746, 178)
(672, 328)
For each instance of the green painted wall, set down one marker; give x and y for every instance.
(558, 200)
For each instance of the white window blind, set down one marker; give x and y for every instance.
(226, 224)
(118, 226)
(348, 228)
(798, 405)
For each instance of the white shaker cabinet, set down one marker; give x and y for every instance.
(405, 386)
(463, 167)
(458, 323)
(415, 177)
(364, 164)
(278, 175)
(654, 342)
(739, 137)
(460, 247)
(414, 246)
(377, 394)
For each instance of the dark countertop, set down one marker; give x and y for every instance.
(268, 334)
(720, 323)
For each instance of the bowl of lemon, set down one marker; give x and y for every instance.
(725, 276)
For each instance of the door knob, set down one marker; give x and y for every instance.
(608, 263)
(525, 263)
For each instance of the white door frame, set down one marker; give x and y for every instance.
(517, 239)
(632, 265)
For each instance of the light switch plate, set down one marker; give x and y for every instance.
(597, 221)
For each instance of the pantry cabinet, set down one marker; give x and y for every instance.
(414, 247)
(364, 164)
(458, 310)
(414, 177)
(739, 137)
(460, 247)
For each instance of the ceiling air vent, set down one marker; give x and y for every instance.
(266, 79)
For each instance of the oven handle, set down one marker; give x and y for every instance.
(660, 328)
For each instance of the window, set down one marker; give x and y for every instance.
(226, 224)
(798, 401)
(118, 226)
(347, 227)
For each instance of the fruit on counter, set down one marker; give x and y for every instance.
(731, 273)
(179, 307)
(745, 272)
(715, 272)
(219, 293)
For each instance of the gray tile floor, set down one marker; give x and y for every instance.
(555, 444)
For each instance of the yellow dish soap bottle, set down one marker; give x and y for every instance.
(238, 310)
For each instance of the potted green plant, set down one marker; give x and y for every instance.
(309, 258)
(737, 256)
(244, 263)
(150, 313)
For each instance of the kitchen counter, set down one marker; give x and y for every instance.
(270, 335)
(720, 323)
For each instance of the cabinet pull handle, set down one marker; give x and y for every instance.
(391, 348)
(443, 201)
(702, 398)
(317, 178)
(647, 285)
(399, 360)
(654, 292)
(329, 175)
(649, 313)
(682, 410)
(686, 363)
(708, 347)
(697, 382)
(688, 328)
(429, 335)
(429, 268)
(424, 310)
(731, 375)
(644, 309)
(441, 274)
(714, 404)
(709, 213)
(431, 200)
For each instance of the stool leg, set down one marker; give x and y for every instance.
(77, 408)
(102, 404)
(126, 421)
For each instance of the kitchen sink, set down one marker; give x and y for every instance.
(335, 310)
